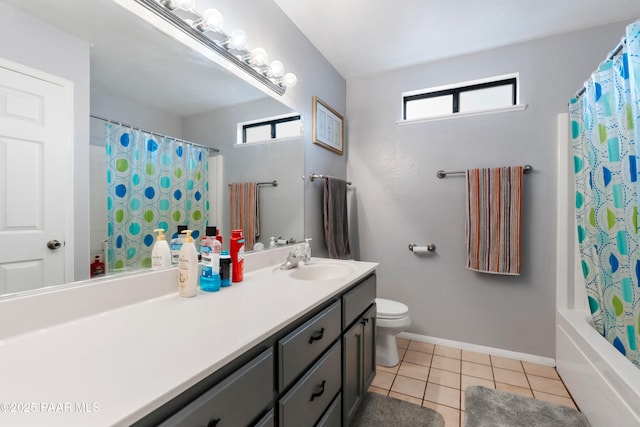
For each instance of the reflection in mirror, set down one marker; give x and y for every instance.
(142, 77)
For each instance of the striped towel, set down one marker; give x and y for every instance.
(493, 219)
(244, 211)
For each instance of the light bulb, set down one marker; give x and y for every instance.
(211, 20)
(289, 80)
(276, 69)
(259, 56)
(238, 40)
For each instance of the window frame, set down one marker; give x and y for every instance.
(456, 89)
(270, 121)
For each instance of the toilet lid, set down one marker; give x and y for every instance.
(388, 309)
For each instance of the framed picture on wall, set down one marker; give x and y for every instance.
(328, 127)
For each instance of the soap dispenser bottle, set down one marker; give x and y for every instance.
(188, 267)
(161, 253)
(307, 251)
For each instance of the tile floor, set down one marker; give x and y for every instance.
(435, 376)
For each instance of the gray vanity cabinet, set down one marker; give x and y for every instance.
(314, 372)
(236, 401)
(359, 346)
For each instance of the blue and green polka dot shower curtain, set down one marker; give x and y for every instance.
(605, 138)
(153, 182)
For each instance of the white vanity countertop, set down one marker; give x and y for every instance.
(114, 367)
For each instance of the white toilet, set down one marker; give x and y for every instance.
(392, 318)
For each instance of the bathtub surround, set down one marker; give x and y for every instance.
(604, 136)
(603, 382)
(400, 200)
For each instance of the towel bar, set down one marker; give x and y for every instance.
(314, 176)
(442, 174)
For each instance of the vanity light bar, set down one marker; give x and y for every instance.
(242, 60)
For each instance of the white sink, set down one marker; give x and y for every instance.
(321, 271)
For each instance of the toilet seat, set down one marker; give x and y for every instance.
(387, 309)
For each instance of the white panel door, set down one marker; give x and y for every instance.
(35, 161)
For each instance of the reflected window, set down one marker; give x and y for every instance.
(270, 129)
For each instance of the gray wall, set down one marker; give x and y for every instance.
(399, 200)
(281, 212)
(265, 23)
(29, 42)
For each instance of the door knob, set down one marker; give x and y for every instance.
(53, 244)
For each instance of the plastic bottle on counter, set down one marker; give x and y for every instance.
(176, 243)
(161, 253)
(97, 267)
(236, 245)
(225, 269)
(272, 242)
(188, 267)
(210, 249)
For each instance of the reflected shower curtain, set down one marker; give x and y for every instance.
(153, 182)
(605, 138)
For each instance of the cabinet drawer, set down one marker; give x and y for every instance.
(301, 347)
(357, 300)
(309, 397)
(236, 401)
(333, 416)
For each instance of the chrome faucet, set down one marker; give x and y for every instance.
(292, 261)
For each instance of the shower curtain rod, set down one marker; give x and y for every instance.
(612, 55)
(115, 122)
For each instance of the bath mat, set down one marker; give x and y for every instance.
(382, 411)
(486, 407)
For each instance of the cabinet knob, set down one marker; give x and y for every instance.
(213, 423)
(318, 393)
(316, 336)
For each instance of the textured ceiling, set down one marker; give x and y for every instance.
(367, 36)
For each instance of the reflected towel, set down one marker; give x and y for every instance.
(336, 228)
(244, 211)
(493, 219)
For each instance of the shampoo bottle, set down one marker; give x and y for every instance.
(161, 253)
(210, 250)
(176, 243)
(188, 267)
(237, 255)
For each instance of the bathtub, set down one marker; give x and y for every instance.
(604, 384)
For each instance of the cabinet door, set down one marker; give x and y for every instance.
(236, 401)
(369, 347)
(352, 384)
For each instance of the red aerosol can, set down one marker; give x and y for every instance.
(237, 255)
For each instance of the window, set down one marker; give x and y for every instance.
(481, 95)
(280, 127)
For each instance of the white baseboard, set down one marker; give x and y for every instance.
(547, 361)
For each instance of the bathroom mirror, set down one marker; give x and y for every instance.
(142, 77)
